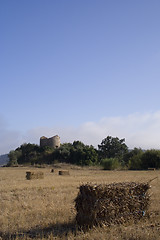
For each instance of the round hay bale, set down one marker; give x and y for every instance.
(64, 172)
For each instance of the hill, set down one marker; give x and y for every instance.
(3, 159)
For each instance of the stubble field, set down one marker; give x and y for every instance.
(44, 208)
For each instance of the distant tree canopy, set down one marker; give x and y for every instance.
(144, 159)
(76, 153)
(112, 147)
(133, 158)
(150, 159)
(112, 154)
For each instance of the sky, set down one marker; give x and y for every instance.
(82, 69)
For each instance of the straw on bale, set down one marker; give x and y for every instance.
(152, 169)
(115, 203)
(34, 175)
(64, 172)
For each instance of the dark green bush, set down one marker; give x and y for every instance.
(135, 159)
(135, 162)
(151, 159)
(110, 163)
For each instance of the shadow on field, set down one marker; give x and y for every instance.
(57, 230)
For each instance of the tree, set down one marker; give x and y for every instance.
(82, 154)
(76, 153)
(63, 153)
(151, 159)
(28, 151)
(13, 157)
(135, 159)
(112, 147)
(131, 158)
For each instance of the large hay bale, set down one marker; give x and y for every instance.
(111, 204)
(34, 175)
(64, 172)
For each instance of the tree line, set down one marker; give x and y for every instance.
(112, 154)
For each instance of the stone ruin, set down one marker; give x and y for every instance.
(50, 142)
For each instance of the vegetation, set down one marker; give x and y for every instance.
(110, 163)
(150, 159)
(76, 153)
(113, 147)
(133, 159)
(112, 154)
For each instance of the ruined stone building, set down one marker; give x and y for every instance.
(50, 142)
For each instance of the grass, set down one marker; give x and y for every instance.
(44, 208)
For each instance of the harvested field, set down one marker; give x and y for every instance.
(45, 208)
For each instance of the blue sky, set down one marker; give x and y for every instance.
(81, 69)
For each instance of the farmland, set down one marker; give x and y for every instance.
(45, 208)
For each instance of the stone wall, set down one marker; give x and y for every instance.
(50, 142)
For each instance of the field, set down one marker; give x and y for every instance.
(44, 208)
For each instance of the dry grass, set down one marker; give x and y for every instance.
(44, 208)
